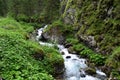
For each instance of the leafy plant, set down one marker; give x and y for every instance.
(16, 54)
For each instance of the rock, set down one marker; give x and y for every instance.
(90, 71)
(59, 69)
(82, 75)
(71, 50)
(106, 69)
(89, 41)
(63, 53)
(68, 57)
(67, 45)
(54, 34)
(69, 18)
(91, 65)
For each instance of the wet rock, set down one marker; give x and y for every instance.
(71, 50)
(90, 71)
(63, 53)
(43, 38)
(59, 69)
(91, 65)
(68, 57)
(74, 59)
(67, 45)
(102, 77)
(54, 34)
(82, 75)
(106, 69)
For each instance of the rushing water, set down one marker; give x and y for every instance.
(74, 66)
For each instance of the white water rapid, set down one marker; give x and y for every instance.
(74, 66)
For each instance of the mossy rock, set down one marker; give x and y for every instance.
(90, 71)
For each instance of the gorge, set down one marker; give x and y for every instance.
(81, 40)
(74, 66)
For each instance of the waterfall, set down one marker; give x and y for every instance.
(74, 65)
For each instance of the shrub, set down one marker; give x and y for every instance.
(16, 54)
(97, 58)
(72, 40)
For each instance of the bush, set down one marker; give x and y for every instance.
(72, 40)
(52, 57)
(97, 58)
(16, 54)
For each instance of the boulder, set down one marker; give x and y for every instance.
(68, 57)
(59, 69)
(69, 18)
(90, 71)
(71, 50)
(67, 45)
(54, 34)
(89, 41)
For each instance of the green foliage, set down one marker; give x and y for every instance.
(72, 41)
(85, 52)
(51, 10)
(16, 54)
(31, 11)
(16, 60)
(12, 25)
(91, 18)
(78, 47)
(56, 24)
(113, 61)
(2, 8)
(97, 58)
(67, 6)
(51, 59)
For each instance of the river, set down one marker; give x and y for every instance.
(74, 65)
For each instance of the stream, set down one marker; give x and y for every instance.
(74, 65)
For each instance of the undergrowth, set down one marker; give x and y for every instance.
(17, 54)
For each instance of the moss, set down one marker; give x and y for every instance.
(113, 62)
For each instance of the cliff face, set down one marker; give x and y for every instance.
(96, 22)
